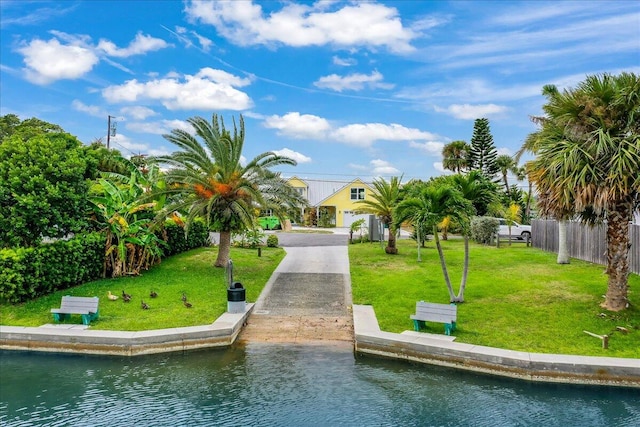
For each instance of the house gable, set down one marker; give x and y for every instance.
(342, 199)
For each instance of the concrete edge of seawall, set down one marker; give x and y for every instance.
(557, 368)
(221, 333)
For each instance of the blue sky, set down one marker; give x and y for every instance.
(348, 89)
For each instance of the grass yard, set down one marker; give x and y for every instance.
(191, 272)
(516, 298)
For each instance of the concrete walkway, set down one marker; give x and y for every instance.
(307, 299)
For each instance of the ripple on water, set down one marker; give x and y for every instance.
(275, 385)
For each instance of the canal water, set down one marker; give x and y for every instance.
(285, 385)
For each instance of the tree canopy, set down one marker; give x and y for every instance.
(483, 152)
(206, 179)
(587, 163)
(43, 188)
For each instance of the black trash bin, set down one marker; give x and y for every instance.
(236, 298)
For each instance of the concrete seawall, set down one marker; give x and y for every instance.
(73, 339)
(439, 350)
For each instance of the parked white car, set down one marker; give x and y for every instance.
(517, 230)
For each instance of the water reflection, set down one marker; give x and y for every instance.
(278, 385)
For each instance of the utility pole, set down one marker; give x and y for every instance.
(111, 129)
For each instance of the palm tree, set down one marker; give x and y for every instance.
(455, 156)
(431, 206)
(473, 188)
(206, 178)
(506, 164)
(596, 163)
(553, 199)
(382, 202)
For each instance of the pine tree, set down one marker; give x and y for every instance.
(483, 152)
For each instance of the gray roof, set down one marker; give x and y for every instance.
(318, 190)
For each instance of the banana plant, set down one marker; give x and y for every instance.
(131, 243)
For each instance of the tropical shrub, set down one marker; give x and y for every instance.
(272, 241)
(251, 238)
(483, 228)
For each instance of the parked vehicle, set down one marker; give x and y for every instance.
(269, 222)
(519, 231)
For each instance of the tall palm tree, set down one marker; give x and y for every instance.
(382, 202)
(474, 188)
(206, 178)
(597, 163)
(455, 156)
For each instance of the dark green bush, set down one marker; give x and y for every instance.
(483, 228)
(176, 240)
(272, 241)
(27, 273)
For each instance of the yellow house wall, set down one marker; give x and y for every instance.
(342, 200)
(296, 183)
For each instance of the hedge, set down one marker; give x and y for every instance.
(176, 240)
(27, 273)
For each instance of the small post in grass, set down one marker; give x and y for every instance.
(604, 338)
(259, 251)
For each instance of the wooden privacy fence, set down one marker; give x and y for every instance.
(585, 243)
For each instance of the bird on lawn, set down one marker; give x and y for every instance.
(153, 294)
(188, 304)
(126, 297)
(144, 305)
(184, 297)
(111, 296)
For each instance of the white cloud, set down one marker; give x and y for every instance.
(504, 150)
(368, 25)
(354, 81)
(48, 61)
(364, 135)
(344, 62)
(307, 126)
(137, 112)
(382, 167)
(209, 89)
(92, 110)
(205, 43)
(440, 167)
(160, 127)
(472, 112)
(472, 91)
(299, 126)
(433, 148)
(140, 45)
(122, 141)
(549, 36)
(298, 157)
(358, 167)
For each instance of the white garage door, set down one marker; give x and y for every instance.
(348, 218)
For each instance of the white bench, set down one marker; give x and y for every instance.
(432, 312)
(87, 307)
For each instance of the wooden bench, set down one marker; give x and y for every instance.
(432, 312)
(87, 307)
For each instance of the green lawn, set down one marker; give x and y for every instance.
(516, 297)
(191, 272)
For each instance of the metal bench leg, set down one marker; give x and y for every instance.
(418, 324)
(447, 328)
(59, 317)
(86, 319)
